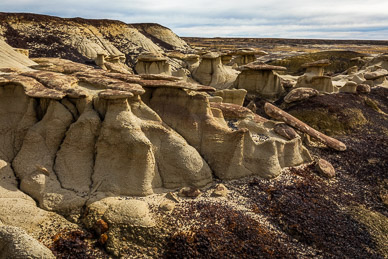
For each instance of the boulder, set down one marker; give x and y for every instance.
(325, 168)
(299, 94)
(220, 190)
(363, 89)
(230, 153)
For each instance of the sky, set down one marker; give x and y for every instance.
(323, 19)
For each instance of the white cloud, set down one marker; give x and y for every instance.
(356, 19)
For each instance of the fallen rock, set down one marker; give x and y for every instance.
(363, 89)
(279, 114)
(220, 190)
(172, 196)
(325, 168)
(190, 192)
(212, 72)
(16, 243)
(167, 205)
(300, 94)
(285, 131)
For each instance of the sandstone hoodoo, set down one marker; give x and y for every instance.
(152, 63)
(211, 71)
(261, 80)
(314, 78)
(246, 56)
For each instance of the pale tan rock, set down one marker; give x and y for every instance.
(260, 80)
(39, 148)
(17, 209)
(190, 192)
(230, 154)
(235, 96)
(285, 131)
(220, 190)
(17, 115)
(172, 196)
(74, 163)
(10, 58)
(320, 83)
(212, 72)
(247, 55)
(349, 87)
(134, 140)
(152, 63)
(299, 94)
(16, 243)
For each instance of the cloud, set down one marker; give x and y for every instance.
(346, 19)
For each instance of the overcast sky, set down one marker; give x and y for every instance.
(325, 19)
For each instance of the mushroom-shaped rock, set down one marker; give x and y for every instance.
(349, 87)
(152, 63)
(247, 55)
(192, 61)
(236, 96)
(314, 78)
(260, 79)
(299, 94)
(316, 68)
(212, 72)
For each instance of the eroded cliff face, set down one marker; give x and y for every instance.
(82, 39)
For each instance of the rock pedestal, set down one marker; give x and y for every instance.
(260, 80)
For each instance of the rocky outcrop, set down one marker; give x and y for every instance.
(230, 153)
(51, 111)
(211, 71)
(82, 40)
(261, 80)
(161, 35)
(10, 58)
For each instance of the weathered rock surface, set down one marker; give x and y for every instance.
(261, 80)
(211, 71)
(300, 94)
(82, 39)
(10, 58)
(16, 243)
(230, 154)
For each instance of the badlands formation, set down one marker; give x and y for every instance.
(122, 140)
